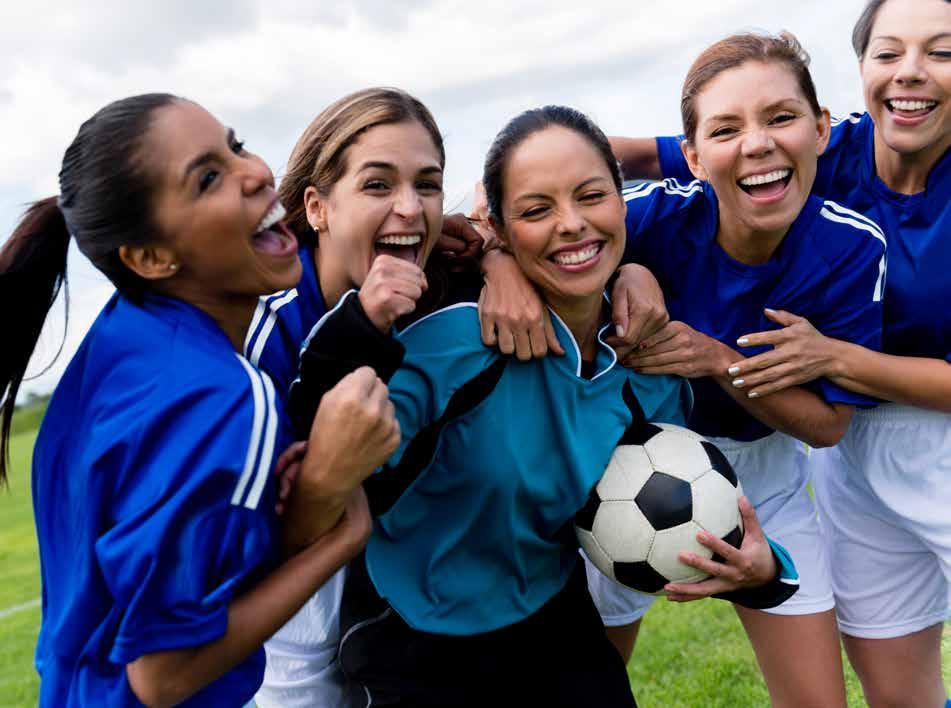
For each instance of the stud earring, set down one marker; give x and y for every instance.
(173, 266)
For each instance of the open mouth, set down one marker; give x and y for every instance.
(272, 236)
(910, 107)
(403, 246)
(769, 184)
(577, 257)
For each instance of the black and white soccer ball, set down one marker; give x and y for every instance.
(662, 486)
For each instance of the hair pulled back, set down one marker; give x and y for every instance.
(317, 159)
(105, 202)
(862, 32)
(735, 50)
(521, 127)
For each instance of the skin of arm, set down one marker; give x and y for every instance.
(801, 353)
(638, 157)
(679, 349)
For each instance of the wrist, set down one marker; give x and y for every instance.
(493, 260)
(837, 360)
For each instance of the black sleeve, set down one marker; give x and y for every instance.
(343, 341)
(772, 594)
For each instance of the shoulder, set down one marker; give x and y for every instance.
(666, 201)
(666, 190)
(456, 325)
(839, 230)
(849, 127)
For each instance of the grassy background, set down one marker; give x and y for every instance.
(686, 655)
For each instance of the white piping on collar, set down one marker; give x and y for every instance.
(574, 344)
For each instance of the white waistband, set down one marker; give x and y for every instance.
(901, 412)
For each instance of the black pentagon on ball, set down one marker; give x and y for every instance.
(584, 519)
(639, 576)
(666, 501)
(639, 433)
(734, 538)
(719, 462)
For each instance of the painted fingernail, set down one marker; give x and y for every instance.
(620, 330)
(753, 394)
(733, 370)
(738, 382)
(769, 310)
(742, 341)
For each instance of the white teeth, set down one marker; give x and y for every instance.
(276, 213)
(410, 240)
(773, 176)
(902, 105)
(576, 257)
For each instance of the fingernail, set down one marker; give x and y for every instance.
(620, 330)
(742, 341)
(753, 394)
(738, 382)
(642, 345)
(770, 311)
(733, 370)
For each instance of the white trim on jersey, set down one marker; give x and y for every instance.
(257, 427)
(433, 314)
(267, 452)
(840, 214)
(255, 342)
(670, 186)
(850, 118)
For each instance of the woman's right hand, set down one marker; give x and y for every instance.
(391, 290)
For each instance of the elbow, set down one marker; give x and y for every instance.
(823, 439)
(830, 432)
(154, 690)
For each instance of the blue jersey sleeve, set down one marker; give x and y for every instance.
(852, 299)
(650, 204)
(673, 164)
(192, 522)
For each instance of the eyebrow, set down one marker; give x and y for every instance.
(432, 169)
(582, 185)
(888, 37)
(771, 107)
(205, 157)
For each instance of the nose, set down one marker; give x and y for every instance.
(407, 204)
(255, 174)
(758, 142)
(570, 220)
(911, 69)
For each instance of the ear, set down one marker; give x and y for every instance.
(315, 206)
(150, 262)
(693, 160)
(823, 130)
(500, 234)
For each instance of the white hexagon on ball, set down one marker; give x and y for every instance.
(626, 473)
(589, 544)
(623, 532)
(676, 454)
(714, 508)
(668, 543)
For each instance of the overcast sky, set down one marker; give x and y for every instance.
(267, 68)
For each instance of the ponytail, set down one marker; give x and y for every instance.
(32, 270)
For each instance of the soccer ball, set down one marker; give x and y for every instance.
(662, 486)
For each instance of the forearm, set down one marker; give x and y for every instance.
(794, 411)
(915, 381)
(638, 157)
(170, 677)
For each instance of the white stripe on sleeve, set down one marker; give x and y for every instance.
(273, 307)
(267, 453)
(257, 427)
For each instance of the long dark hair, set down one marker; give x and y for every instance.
(105, 202)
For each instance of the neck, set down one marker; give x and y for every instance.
(907, 173)
(233, 314)
(582, 316)
(334, 282)
(746, 245)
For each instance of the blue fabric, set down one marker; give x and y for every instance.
(282, 322)
(153, 500)
(916, 227)
(478, 541)
(829, 268)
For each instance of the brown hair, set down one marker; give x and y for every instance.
(317, 158)
(736, 50)
(862, 32)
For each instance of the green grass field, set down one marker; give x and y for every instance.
(686, 656)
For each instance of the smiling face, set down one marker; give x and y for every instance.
(757, 143)
(563, 216)
(388, 200)
(906, 75)
(217, 210)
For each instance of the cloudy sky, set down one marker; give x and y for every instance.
(267, 68)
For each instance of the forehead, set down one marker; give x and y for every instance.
(552, 159)
(177, 134)
(405, 145)
(912, 19)
(753, 84)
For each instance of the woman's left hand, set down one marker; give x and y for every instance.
(800, 354)
(749, 566)
(681, 350)
(638, 308)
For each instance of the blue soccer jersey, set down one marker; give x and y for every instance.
(917, 227)
(829, 268)
(281, 323)
(154, 501)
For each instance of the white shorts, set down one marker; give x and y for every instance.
(302, 668)
(775, 474)
(884, 496)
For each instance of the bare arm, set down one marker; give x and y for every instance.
(800, 353)
(680, 349)
(638, 157)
